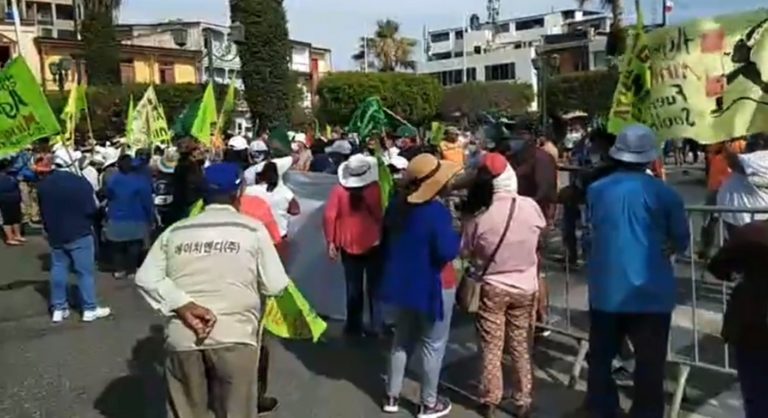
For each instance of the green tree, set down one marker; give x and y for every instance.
(617, 38)
(265, 57)
(471, 100)
(386, 50)
(414, 97)
(102, 49)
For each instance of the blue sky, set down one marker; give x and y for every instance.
(337, 24)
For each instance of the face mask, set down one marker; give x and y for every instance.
(573, 136)
(295, 146)
(472, 148)
(259, 156)
(595, 158)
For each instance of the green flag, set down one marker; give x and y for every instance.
(226, 109)
(437, 133)
(77, 103)
(386, 180)
(182, 126)
(129, 118)
(206, 117)
(24, 114)
(290, 316)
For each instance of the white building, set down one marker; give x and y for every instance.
(506, 52)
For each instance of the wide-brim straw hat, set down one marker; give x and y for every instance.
(429, 175)
(358, 171)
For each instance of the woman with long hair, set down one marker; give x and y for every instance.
(282, 200)
(352, 226)
(501, 233)
(130, 216)
(418, 281)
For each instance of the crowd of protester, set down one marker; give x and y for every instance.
(133, 211)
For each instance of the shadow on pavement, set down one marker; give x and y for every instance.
(140, 393)
(364, 360)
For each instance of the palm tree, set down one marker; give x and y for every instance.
(616, 41)
(102, 49)
(386, 50)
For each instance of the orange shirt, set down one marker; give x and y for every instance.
(259, 209)
(452, 151)
(718, 165)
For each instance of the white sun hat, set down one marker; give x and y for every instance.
(358, 171)
(237, 143)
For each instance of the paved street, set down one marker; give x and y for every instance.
(111, 368)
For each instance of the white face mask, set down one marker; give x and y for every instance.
(595, 158)
(472, 148)
(295, 146)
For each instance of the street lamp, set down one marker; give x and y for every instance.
(544, 65)
(180, 36)
(60, 71)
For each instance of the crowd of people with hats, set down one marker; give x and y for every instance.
(204, 234)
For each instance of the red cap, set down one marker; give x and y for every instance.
(495, 163)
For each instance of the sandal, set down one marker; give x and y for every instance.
(13, 243)
(21, 239)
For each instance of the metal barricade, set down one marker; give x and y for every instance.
(704, 321)
(694, 336)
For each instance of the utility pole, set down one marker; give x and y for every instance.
(365, 54)
(16, 25)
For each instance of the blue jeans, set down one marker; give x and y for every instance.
(649, 334)
(752, 366)
(77, 255)
(412, 329)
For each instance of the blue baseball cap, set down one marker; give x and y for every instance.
(222, 178)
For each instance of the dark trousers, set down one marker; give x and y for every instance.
(752, 366)
(571, 217)
(126, 255)
(649, 334)
(362, 273)
(263, 375)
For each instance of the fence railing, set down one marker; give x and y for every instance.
(694, 336)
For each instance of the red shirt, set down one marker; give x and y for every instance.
(259, 209)
(448, 276)
(354, 231)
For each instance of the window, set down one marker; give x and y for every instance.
(600, 59)
(167, 75)
(66, 34)
(478, 50)
(449, 78)
(500, 72)
(65, 12)
(529, 24)
(127, 72)
(219, 74)
(504, 28)
(46, 32)
(518, 45)
(459, 35)
(440, 37)
(458, 54)
(440, 56)
(472, 74)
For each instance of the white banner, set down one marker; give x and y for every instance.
(319, 279)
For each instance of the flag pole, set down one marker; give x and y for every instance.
(17, 25)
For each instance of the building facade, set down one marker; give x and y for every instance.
(222, 62)
(52, 18)
(507, 51)
(138, 64)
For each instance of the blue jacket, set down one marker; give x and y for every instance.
(129, 198)
(416, 246)
(22, 167)
(67, 206)
(635, 220)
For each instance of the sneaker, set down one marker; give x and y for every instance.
(391, 405)
(267, 405)
(59, 315)
(94, 314)
(441, 408)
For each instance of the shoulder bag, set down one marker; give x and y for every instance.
(468, 293)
